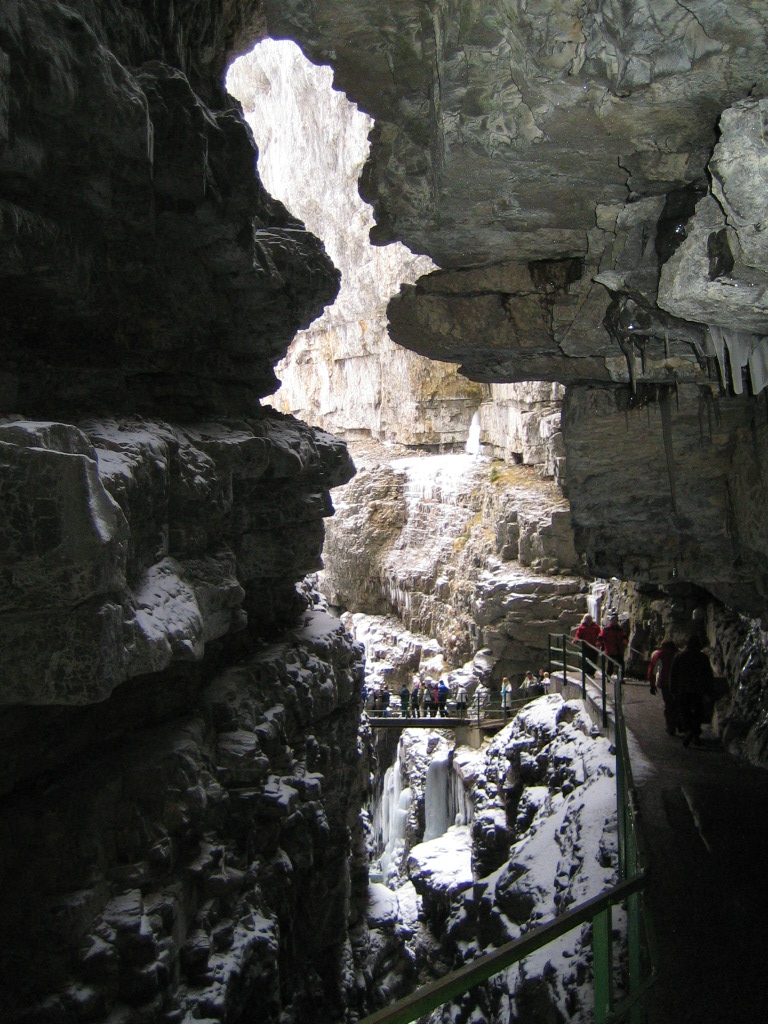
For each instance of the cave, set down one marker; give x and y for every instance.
(580, 190)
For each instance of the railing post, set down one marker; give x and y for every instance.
(565, 666)
(549, 654)
(605, 707)
(603, 965)
(621, 803)
(583, 670)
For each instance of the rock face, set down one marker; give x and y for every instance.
(557, 168)
(461, 550)
(681, 488)
(526, 828)
(344, 373)
(170, 771)
(209, 867)
(128, 546)
(145, 269)
(155, 519)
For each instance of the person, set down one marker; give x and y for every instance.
(429, 700)
(405, 701)
(443, 694)
(461, 701)
(691, 680)
(528, 682)
(385, 700)
(659, 669)
(506, 694)
(613, 640)
(415, 699)
(588, 634)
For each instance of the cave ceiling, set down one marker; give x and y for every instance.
(554, 144)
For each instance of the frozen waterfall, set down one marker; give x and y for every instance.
(445, 801)
(390, 816)
(473, 447)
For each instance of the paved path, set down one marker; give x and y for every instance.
(705, 821)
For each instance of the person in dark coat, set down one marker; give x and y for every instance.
(429, 700)
(691, 679)
(658, 676)
(443, 693)
(587, 633)
(613, 640)
(405, 701)
(415, 700)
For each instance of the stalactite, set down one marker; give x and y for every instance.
(666, 430)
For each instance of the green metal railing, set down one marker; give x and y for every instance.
(563, 654)
(629, 890)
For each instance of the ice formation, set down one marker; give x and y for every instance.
(473, 446)
(744, 350)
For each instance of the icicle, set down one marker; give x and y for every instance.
(437, 812)
(758, 366)
(628, 348)
(714, 335)
(666, 343)
(151, 145)
(666, 430)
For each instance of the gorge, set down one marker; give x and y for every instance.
(581, 187)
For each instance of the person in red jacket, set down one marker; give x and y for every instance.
(658, 676)
(588, 632)
(613, 640)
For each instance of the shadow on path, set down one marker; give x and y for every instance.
(705, 822)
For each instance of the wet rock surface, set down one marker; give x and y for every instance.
(131, 545)
(527, 829)
(474, 554)
(210, 866)
(589, 184)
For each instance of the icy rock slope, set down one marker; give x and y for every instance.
(541, 838)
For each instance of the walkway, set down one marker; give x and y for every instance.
(705, 822)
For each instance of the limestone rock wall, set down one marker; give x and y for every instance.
(590, 184)
(209, 867)
(180, 791)
(129, 546)
(669, 486)
(461, 549)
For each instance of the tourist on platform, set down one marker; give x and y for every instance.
(461, 701)
(529, 682)
(588, 633)
(385, 698)
(691, 681)
(405, 701)
(613, 640)
(443, 693)
(659, 671)
(415, 699)
(429, 700)
(506, 694)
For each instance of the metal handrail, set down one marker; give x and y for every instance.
(633, 879)
(436, 993)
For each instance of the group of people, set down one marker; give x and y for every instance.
(611, 639)
(687, 685)
(683, 677)
(429, 699)
(377, 699)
